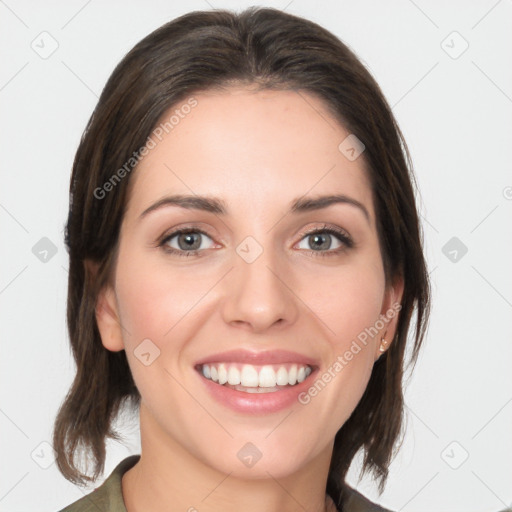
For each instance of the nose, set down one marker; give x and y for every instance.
(259, 295)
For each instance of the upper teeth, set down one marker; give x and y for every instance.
(248, 375)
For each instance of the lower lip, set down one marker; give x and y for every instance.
(257, 403)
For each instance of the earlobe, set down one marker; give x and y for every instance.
(383, 344)
(390, 313)
(108, 321)
(106, 313)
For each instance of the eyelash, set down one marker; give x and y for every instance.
(341, 235)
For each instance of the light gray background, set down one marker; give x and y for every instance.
(456, 114)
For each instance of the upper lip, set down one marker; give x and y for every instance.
(258, 358)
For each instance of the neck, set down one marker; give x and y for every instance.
(167, 475)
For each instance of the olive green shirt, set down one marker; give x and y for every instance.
(109, 496)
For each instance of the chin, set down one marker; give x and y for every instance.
(260, 458)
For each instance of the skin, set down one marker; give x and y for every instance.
(257, 151)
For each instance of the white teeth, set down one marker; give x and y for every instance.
(257, 377)
(256, 390)
(223, 374)
(267, 377)
(282, 376)
(292, 375)
(233, 376)
(249, 376)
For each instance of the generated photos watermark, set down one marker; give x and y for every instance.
(342, 360)
(152, 141)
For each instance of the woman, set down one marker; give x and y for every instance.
(245, 260)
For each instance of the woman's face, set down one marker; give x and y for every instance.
(258, 292)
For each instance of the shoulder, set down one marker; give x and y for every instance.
(109, 496)
(356, 502)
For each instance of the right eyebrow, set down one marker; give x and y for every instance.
(208, 204)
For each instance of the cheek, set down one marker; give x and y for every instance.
(154, 299)
(158, 303)
(347, 300)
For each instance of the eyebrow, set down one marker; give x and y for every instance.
(218, 206)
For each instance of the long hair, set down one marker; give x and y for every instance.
(202, 51)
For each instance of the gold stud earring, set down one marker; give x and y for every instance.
(383, 345)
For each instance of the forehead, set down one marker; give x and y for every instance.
(250, 148)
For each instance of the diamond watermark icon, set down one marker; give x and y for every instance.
(43, 455)
(146, 352)
(249, 454)
(249, 249)
(351, 147)
(44, 250)
(454, 45)
(45, 45)
(454, 455)
(454, 249)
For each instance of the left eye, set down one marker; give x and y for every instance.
(321, 241)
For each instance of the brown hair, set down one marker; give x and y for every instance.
(193, 53)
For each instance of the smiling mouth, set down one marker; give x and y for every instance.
(250, 378)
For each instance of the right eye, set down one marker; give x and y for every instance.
(185, 242)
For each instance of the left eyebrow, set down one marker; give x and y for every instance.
(217, 206)
(306, 204)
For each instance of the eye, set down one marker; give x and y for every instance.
(191, 241)
(321, 241)
(185, 242)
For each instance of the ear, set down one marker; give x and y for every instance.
(390, 312)
(107, 316)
